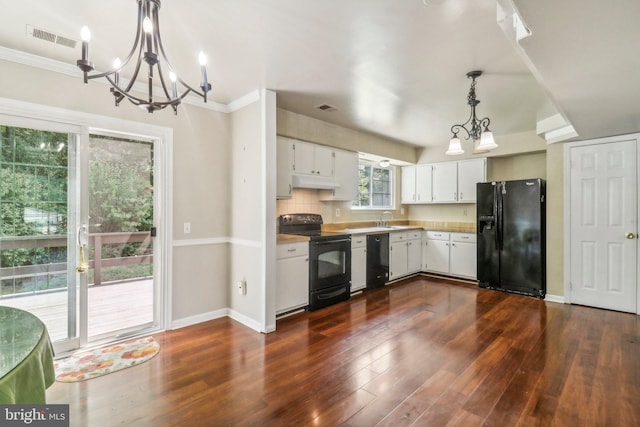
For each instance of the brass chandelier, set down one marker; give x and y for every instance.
(477, 130)
(149, 48)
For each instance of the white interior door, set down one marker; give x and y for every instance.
(603, 225)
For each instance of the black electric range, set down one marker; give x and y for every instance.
(329, 258)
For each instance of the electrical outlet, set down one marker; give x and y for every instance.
(337, 211)
(187, 227)
(242, 287)
(401, 211)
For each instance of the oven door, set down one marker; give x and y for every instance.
(329, 263)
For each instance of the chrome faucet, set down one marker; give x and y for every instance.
(383, 223)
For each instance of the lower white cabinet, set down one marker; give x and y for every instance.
(463, 255)
(405, 253)
(292, 276)
(435, 254)
(358, 262)
(454, 254)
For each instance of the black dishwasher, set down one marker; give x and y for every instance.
(377, 260)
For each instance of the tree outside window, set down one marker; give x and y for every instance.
(375, 189)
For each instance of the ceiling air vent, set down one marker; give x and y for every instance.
(326, 107)
(38, 33)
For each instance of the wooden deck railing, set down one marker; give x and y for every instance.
(96, 240)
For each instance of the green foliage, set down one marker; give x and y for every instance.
(34, 168)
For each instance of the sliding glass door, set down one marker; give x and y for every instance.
(77, 216)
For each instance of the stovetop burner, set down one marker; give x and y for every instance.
(305, 224)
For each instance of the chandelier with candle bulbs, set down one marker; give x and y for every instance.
(150, 57)
(474, 129)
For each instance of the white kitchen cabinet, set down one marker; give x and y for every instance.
(405, 253)
(345, 167)
(436, 252)
(424, 183)
(292, 276)
(414, 251)
(470, 172)
(284, 162)
(312, 159)
(397, 255)
(358, 262)
(408, 188)
(463, 255)
(416, 184)
(453, 254)
(445, 182)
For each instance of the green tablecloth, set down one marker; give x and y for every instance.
(26, 358)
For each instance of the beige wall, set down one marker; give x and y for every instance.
(523, 166)
(555, 219)
(201, 141)
(305, 128)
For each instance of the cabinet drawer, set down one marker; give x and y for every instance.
(290, 250)
(414, 235)
(359, 241)
(397, 237)
(463, 237)
(437, 235)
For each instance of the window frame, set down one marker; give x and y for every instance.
(392, 187)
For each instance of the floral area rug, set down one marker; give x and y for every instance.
(101, 361)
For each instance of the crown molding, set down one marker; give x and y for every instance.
(48, 64)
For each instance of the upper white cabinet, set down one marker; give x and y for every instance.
(416, 184)
(447, 182)
(312, 159)
(470, 172)
(408, 190)
(284, 164)
(346, 175)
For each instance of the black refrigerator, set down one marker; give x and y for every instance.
(511, 231)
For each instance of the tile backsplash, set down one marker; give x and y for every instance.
(304, 201)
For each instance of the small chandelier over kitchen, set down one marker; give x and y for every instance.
(148, 45)
(477, 130)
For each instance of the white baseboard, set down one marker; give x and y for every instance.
(554, 298)
(245, 320)
(204, 317)
(217, 314)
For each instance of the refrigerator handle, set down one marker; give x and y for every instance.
(500, 190)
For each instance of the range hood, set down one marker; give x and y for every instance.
(312, 181)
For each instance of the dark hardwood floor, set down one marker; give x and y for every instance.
(424, 352)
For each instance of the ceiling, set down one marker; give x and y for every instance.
(395, 68)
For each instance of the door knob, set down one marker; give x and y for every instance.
(630, 236)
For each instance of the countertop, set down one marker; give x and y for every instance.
(290, 238)
(369, 227)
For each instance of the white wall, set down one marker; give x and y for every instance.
(252, 202)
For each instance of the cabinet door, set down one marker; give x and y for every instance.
(284, 162)
(323, 161)
(463, 259)
(445, 182)
(292, 283)
(437, 256)
(346, 174)
(470, 172)
(304, 158)
(358, 268)
(414, 256)
(408, 190)
(397, 260)
(423, 183)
